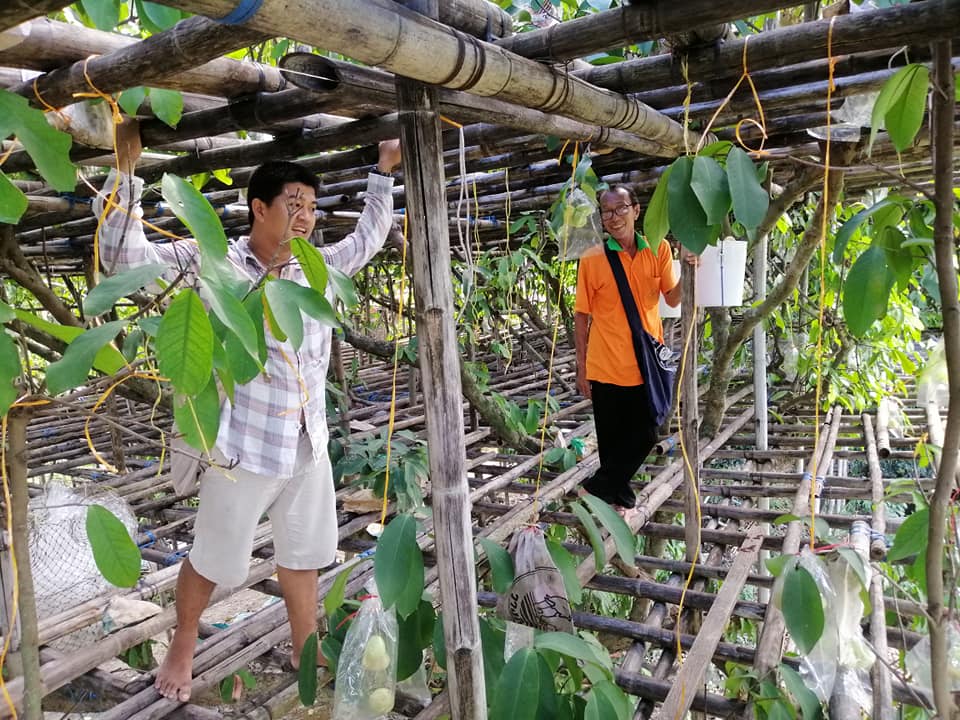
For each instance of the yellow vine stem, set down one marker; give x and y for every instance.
(696, 497)
(15, 601)
(553, 342)
(762, 124)
(100, 401)
(814, 472)
(396, 364)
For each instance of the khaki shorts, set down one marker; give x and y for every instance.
(301, 508)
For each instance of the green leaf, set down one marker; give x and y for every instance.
(572, 646)
(439, 644)
(593, 533)
(343, 286)
(167, 105)
(158, 17)
(313, 303)
(131, 99)
(853, 559)
(331, 647)
(311, 262)
(656, 220)
(415, 633)
(709, 183)
(307, 673)
(226, 688)
(335, 595)
(804, 696)
(198, 417)
(866, 291)
(905, 115)
(48, 147)
(616, 526)
(72, 369)
(600, 706)
(10, 370)
(776, 564)
(567, 566)
(518, 688)
(234, 315)
(13, 203)
(501, 565)
(7, 313)
(911, 537)
(104, 13)
(803, 614)
(111, 289)
(900, 260)
(615, 697)
(750, 200)
(850, 227)
(185, 343)
(398, 565)
(116, 555)
(108, 359)
(283, 305)
(198, 215)
(688, 221)
(249, 681)
(493, 640)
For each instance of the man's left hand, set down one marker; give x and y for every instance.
(389, 155)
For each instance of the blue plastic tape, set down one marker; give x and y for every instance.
(245, 10)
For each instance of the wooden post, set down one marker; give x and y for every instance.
(690, 414)
(442, 395)
(30, 644)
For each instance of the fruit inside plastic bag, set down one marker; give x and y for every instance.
(366, 672)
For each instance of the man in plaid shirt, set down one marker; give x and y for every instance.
(273, 435)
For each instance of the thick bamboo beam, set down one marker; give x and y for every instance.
(480, 18)
(689, 411)
(439, 363)
(634, 22)
(413, 46)
(15, 12)
(872, 30)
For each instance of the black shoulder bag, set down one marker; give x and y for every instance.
(653, 357)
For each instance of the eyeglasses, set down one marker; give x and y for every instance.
(619, 210)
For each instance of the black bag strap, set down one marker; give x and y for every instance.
(628, 301)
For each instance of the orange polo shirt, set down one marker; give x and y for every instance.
(610, 356)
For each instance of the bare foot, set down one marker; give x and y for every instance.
(627, 513)
(176, 673)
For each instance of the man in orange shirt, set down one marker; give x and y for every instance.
(607, 369)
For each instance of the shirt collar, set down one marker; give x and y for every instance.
(639, 239)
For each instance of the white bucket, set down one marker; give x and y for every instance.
(665, 310)
(721, 272)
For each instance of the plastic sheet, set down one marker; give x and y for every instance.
(581, 226)
(366, 672)
(917, 661)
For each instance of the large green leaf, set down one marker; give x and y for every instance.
(415, 633)
(614, 697)
(616, 526)
(593, 533)
(803, 611)
(493, 640)
(567, 566)
(198, 416)
(48, 147)
(335, 595)
(156, 17)
(900, 259)
(313, 303)
(709, 183)
(805, 697)
(116, 555)
(311, 262)
(911, 537)
(600, 706)
(656, 221)
(343, 286)
(10, 370)
(105, 14)
(108, 360)
(851, 225)
(198, 215)
(573, 646)
(13, 203)
(398, 565)
(501, 565)
(688, 221)
(902, 96)
(750, 200)
(167, 105)
(307, 673)
(867, 290)
(283, 302)
(131, 99)
(72, 369)
(439, 643)
(111, 289)
(234, 315)
(184, 343)
(518, 688)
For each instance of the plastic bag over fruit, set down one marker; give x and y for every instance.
(581, 227)
(537, 596)
(367, 669)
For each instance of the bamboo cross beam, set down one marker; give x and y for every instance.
(416, 47)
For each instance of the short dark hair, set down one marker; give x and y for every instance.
(628, 189)
(268, 180)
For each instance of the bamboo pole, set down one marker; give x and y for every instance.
(433, 291)
(690, 411)
(480, 18)
(422, 49)
(941, 124)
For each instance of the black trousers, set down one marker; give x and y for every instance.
(626, 433)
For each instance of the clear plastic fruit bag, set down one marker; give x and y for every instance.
(367, 669)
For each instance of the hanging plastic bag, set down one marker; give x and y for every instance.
(367, 670)
(581, 225)
(537, 596)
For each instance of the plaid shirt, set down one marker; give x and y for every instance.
(260, 428)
